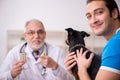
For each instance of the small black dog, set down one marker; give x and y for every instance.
(76, 41)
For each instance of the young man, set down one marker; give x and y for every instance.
(24, 62)
(104, 19)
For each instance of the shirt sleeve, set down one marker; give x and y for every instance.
(5, 68)
(61, 71)
(6, 76)
(110, 57)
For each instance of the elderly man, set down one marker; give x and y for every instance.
(26, 62)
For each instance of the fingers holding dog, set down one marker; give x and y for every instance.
(81, 59)
(69, 61)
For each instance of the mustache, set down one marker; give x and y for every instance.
(36, 40)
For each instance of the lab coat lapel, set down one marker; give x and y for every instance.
(35, 66)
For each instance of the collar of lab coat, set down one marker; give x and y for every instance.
(29, 51)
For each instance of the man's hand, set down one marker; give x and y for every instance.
(17, 68)
(47, 61)
(83, 63)
(81, 59)
(69, 61)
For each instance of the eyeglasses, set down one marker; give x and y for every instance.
(40, 32)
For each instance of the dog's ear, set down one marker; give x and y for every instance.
(70, 31)
(83, 33)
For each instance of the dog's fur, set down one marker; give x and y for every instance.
(75, 40)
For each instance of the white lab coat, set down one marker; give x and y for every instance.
(32, 69)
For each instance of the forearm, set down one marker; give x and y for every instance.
(83, 74)
(62, 74)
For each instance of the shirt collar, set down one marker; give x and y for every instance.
(117, 30)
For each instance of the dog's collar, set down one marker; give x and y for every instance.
(76, 46)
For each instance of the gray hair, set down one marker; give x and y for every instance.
(33, 20)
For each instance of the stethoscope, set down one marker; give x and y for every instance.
(22, 50)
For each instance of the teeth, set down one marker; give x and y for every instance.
(98, 23)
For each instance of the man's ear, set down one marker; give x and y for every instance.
(45, 34)
(115, 13)
(24, 36)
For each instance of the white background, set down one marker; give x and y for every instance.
(55, 14)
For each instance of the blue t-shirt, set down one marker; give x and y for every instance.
(111, 54)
